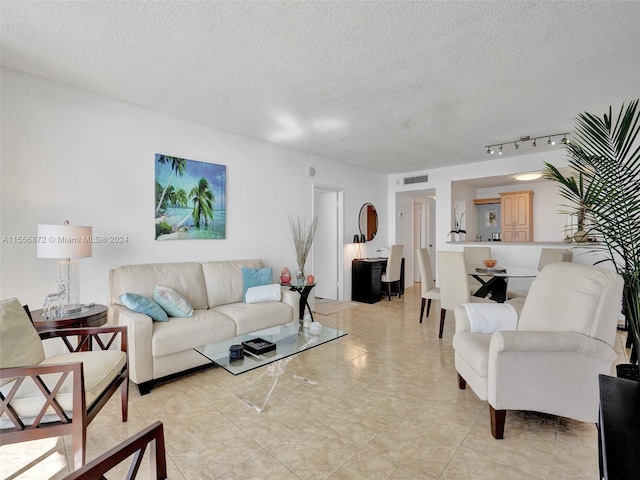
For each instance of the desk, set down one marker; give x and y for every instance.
(496, 285)
(366, 285)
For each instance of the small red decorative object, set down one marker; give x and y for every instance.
(310, 278)
(285, 276)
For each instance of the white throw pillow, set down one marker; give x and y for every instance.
(264, 293)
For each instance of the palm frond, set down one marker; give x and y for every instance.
(605, 154)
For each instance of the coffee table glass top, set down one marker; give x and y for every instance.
(290, 339)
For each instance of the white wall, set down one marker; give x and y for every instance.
(71, 154)
(548, 219)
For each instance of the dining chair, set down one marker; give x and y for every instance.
(392, 274)
(61, 394)
(564, 338)
(454, 284)
(473, 257)
(547, 256)
(427, 282)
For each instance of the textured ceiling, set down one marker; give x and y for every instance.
(389, 86)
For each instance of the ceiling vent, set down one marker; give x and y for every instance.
(419, 179)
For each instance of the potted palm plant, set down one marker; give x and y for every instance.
(605, 156)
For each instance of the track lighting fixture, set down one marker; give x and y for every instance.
(534, 143)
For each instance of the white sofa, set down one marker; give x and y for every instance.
(162, 351)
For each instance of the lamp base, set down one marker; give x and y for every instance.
(69, 309)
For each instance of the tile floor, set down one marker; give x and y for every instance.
(386, 406)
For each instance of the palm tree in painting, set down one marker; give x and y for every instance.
(179, 166)
(169, 196)
(180, 198)
(162, 159)
(203, 199)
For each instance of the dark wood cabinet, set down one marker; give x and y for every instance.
(366, 285)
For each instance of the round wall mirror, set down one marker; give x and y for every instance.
(368, 221)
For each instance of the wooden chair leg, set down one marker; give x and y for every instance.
(462, 383)
(424, 300)
(389, 290)
(428, 306)
(497, 422)
(399, 290)
(443, 313)
(79, 447)
(124, 399)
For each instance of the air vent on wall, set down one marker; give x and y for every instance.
(420, 179)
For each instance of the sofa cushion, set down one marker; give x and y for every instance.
(142, 304)
(172, 302)
(253, 317)
(255, 277)
(223, 280)
(180, 334)
(186, 278)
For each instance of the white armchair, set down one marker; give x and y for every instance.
(564, 340)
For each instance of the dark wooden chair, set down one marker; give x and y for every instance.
(135, 446)
(59, 395)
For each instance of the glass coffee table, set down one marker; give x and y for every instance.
(289, 339)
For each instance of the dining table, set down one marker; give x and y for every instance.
(494, 280)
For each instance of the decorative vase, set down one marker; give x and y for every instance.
(456, 237)
(581, 236)
(310, 279)
(285, 276)
(300, 277)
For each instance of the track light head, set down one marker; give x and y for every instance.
(500, 151)
(549, 142)
(534, 142)
(516, 145)
(488, 151)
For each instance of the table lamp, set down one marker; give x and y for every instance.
(66, 242)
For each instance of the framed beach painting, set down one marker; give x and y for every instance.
(190, 199)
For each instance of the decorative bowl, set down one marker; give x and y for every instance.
(489, 263)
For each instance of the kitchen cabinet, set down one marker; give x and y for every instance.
(517, 216)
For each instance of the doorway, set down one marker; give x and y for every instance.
(327, 245)
(420, 231)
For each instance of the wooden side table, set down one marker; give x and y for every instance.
(94, 316)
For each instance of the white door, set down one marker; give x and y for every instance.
(418, 236)
(431, 233)
(325, 245)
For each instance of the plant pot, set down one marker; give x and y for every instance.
(628, 371)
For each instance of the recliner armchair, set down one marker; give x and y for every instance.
(564, 340)
(62, 394)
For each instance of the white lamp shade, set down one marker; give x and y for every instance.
(64, 241)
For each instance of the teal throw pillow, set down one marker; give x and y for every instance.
(141, 304)
(255, 277)
(172, 302)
